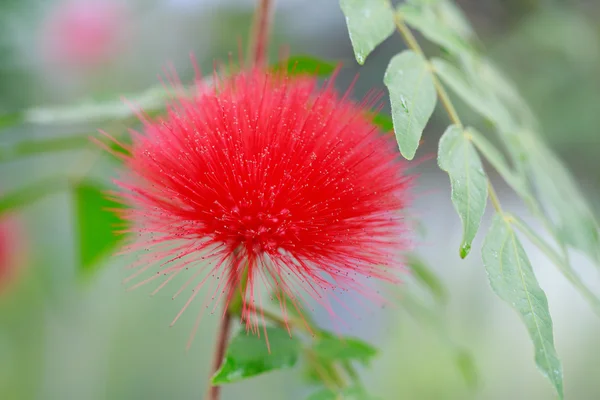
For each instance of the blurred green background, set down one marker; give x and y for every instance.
(68, 335)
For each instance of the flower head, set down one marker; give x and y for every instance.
(265, 179)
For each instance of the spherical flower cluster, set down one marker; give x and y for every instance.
(262, 179)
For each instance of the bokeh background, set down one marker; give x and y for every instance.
(68, 335)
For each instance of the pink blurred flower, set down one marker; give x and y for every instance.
(82, 33)
(10, 252)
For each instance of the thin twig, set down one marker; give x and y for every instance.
(494, 198)
(260, 32)
(214, 392)
(407, 35)
(445, 100)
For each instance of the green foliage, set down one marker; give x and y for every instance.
(458, 158)
(476, 97)
(306, 65)
(412, 96)
(96, 223)
(576, 224)
(248, 355)
(431, 316)
(331, 357)
(513, 280)
(12, 119)
(560, 44)
(497, 160)
(39, 146)
(532, 171)
(290, 308)
(30, 193)
(428, 309)
(334, 348)
(428, 19)
(384, 122)
(452, 17)
(92, 110)
(351, 393)
(466, 365)
(369, 22)
(560, 259)
(426, 277)
(511, 105)
(524, 162)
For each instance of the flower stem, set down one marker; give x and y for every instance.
(214, 392)
(234, 304)
(260, 32)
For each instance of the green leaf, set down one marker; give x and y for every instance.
(427, 20)
(560, 259)
(475, 92)
(319, 371)
(425, 276)
(413, 98)
(369, 23)
(451, 16)
(513, 280)
(467, 368)
(30, 194)
(561, 200)
(350, 393)
(293, 308)
(491, 80)
(432, 317)
(330, 352)
(331, 347)
(124, 142)
(384, 122)
(460, 160)
(457, 80)
(248, 355)
(12, 119)
(498, 161)
(151, 100)
(565, 204)
(96, 223)
(301, 65)
(39, 146)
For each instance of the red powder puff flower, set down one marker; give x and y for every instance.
(267, 180)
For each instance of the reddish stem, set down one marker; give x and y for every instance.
(260, 42)
(260, 33)
(214, 392)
